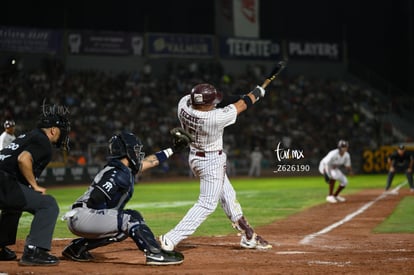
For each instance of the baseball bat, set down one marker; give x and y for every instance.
(275, 72)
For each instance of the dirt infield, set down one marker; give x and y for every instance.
(348, 248)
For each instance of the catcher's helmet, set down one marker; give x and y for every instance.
(342, 144)
(9, 123)
(129, 146)
(205, 94)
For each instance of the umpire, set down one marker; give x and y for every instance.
(400, 161)
(21, 163)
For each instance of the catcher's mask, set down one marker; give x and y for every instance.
(59, 121)
(205, 94)
(129, 146)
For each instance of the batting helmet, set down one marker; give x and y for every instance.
(9, 123)
(129, 146)
(342, 143)
(205, 94)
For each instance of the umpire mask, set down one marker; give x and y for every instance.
(61, 122)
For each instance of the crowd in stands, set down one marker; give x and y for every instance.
(308, 114)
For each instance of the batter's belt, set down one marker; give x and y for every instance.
(203, 154)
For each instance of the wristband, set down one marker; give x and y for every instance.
(164, 154)
(257, 93)
(247, 100)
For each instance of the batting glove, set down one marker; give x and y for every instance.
(258, 92)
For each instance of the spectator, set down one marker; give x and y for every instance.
(255, 162)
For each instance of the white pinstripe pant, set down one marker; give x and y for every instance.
(215, 187)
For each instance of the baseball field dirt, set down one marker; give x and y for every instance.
(326, 239)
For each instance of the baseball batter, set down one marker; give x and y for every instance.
(198, 115)
(329, 167)
(99, 217)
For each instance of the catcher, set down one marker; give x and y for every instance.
(99, 217)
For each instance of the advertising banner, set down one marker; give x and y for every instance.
(375, 161)
(245, 48)
(314, 50)
(105, 43)
(29, 40)
(180, 45)
(246, 18)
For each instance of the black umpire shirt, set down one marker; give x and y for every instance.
(401, 161)
(37, 144)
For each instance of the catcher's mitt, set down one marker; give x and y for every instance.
(180, 139)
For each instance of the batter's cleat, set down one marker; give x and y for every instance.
(249, 244)
(262, 244)
(340, 199)
(166, 244)
(77, 253)
(331, 199)
(33, 255)
(164, 258)
(6, 254)
(256, 242)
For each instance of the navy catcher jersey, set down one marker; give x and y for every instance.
(111, 188)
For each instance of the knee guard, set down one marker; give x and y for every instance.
(141, 233)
